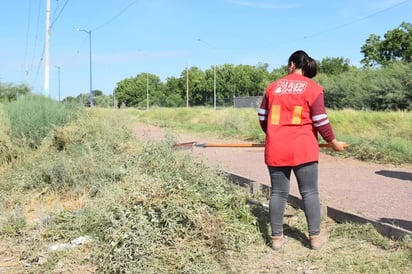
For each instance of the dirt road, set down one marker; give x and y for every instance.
(374, 191)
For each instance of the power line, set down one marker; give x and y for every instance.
(29, 68)
(39, 64)
(323, 31)
(111, 19)
(355, 20)
(58, 15)
(35, 43)
(56, 8)
(27, 41)
(116, 16)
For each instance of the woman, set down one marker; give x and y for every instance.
(291, 114)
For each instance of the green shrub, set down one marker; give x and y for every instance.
(88, 153)
(33, 116)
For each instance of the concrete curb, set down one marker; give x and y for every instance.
(339, 216)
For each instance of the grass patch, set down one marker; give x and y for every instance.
(225, 122)
(382, 137)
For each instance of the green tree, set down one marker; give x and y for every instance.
(396, 46)
(384, 88)
(70, 99)
(173, 92)
(390, 88)
(132, 92)
(250, 80)
(260, 78)
(129, 92)
(97, 92)
(278, 73)
(105, 101)
(200, 91)
(227, 83)
(10, 92)
(155, 91)
(334, 66)
(84, 99)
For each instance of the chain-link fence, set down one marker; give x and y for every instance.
(247, 102)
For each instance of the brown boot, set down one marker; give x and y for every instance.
(278, 242)
(317, 241)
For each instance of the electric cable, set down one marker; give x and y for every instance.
(27, 41)
(35, 44)
(322, 31)
(58, 15)
(115, 17)
(355, 20)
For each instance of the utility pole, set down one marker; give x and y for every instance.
(58, 71)
(187, 85)
(147, 91)
(89, 32)
(46, 52)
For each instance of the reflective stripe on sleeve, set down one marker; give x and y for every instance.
(322, 123)
(319, 117)
(263, 114)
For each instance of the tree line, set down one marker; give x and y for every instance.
(382, 83)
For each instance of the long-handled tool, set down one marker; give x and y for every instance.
(190, 145)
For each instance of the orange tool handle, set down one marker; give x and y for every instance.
(247, 145)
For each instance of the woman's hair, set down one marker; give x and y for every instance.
(303, 61)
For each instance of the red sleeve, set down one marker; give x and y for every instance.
(320, 119)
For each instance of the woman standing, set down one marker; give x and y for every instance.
(291, 114)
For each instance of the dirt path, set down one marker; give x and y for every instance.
(374, 191)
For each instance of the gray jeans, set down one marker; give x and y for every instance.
(307, 178)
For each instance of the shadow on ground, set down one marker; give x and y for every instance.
(262, 215)
(401, 175)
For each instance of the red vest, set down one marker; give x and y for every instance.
(290, 138)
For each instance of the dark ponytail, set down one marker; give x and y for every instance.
(303, 61)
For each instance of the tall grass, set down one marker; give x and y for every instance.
(84, 153)
(383, 137)
(33, 116)
(26, 122)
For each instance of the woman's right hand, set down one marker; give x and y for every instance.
(338, 145)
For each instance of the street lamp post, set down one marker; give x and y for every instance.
(89, 32)
(214, 72)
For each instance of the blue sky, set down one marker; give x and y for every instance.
(161, 37)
